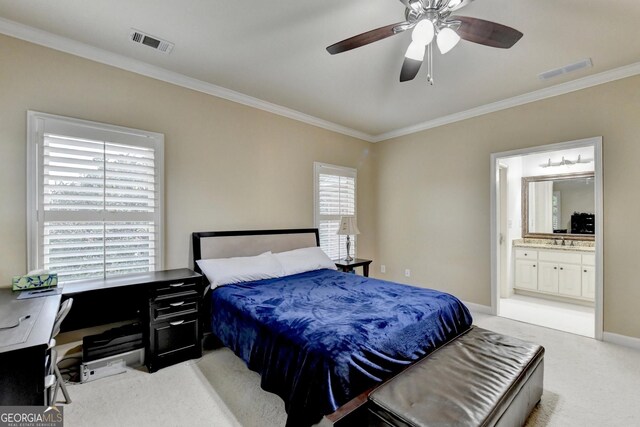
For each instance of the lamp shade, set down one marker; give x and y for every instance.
(447, 40)
(348, 226)
(415, 51)
(423, 32)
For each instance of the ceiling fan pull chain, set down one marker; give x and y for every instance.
(430, 64)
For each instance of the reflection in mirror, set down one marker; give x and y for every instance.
(559, 204)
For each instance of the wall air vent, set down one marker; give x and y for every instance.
(163, 46)
(585, 63)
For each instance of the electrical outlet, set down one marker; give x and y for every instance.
(407, 273)
(383, 269)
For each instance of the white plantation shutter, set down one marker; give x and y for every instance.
(95, 200)
(335, 189)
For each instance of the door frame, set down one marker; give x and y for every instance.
(502, 227)
(596, 143)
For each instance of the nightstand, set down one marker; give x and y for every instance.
(348, 266)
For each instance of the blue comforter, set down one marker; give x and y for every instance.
(320, 338)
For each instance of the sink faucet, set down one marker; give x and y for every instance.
(563, 244)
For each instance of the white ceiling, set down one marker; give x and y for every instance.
(275, 51)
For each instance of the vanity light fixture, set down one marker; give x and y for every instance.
(565, 162)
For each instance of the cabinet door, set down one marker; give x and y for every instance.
(570, 280)
(589, 282)
(548, 277)
(526, 274)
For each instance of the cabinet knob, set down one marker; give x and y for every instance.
(585, 271)
(561, 268)
(534, 265)
(555, 268)
(176, 323)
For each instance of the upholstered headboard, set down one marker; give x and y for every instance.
(226, 244)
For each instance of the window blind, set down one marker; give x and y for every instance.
(335, 196)
(98, 207)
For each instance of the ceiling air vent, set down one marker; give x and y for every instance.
(151, 41)
(585, 63)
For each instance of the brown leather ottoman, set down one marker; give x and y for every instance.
(481, 378)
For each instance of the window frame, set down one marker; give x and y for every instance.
(327, 168)
(36, 122)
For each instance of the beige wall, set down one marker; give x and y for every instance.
(433, 211)
(227, 166)
(423, 199)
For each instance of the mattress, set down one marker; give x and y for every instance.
(320, 338)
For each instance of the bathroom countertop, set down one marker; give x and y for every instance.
(551, 246)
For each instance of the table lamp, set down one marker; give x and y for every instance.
(348, 227)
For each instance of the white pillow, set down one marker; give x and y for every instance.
(305, 259)
(224, 271)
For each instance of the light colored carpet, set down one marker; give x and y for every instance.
(587, 383)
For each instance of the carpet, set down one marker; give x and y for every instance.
(587, 383)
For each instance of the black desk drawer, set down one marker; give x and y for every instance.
(174, 341)
(176, 335)
(175, 287)
(181, 305)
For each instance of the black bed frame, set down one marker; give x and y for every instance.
(351, 413)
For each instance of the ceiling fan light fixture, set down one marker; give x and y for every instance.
(415, 51)
(447, 40)
(423, 32)
(416, 5)
(454, 3)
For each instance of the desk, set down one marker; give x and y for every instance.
(23, 349)
(168, 303)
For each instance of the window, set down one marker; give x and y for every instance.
(94, 198)
(335, 195)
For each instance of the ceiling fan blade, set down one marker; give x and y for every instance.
(368, 37)
(486, 32)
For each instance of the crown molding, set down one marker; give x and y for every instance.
(64, 44)
(560, 89)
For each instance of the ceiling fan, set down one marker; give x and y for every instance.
(431, 19)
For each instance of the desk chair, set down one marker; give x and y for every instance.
(54, 380)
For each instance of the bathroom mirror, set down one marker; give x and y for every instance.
(557, 206)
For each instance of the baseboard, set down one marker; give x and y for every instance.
(478, 308)
(622, 340)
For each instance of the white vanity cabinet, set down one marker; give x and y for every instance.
(560, 273)
(548, 280)
(526, 273)
(589, 276)
(570, 280)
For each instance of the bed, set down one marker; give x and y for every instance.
(321, 338)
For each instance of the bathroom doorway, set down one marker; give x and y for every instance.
(546, 236)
